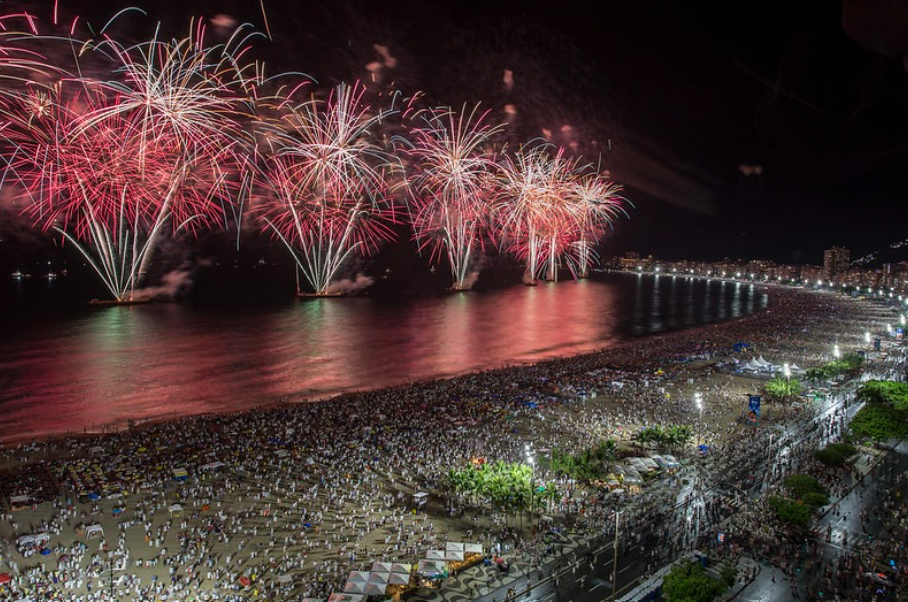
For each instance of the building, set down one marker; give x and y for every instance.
(835, 261)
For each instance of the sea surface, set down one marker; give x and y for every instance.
(78, 370)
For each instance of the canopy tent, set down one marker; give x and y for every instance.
(19, 500)
(285, 578)
(5, 578)
(435, 555)
(358, 576)
(420, 498)
(454, 555)
(94, 531)
(763, 362)
(211, 466)
(473, 548)
(399, 567)
(96, 450)
(399, 579)
(453, 546)
(353, 587)
(175, 509)
(35, 539)
(795, 368)
(432, 568)
(381, 567)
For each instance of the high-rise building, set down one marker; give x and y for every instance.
(835, 261)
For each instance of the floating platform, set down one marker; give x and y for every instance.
(319, 295)
(110, 302)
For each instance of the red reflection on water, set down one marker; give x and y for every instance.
(152, 361)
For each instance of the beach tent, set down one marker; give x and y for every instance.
(398, 578)
(431, 568)
(285, 579)
(180, 474)
(763, 362)
(454, 546)
(795, 368)
(381, 567)
(401, 568)
(96, 450)
(454, 555)
(435, 555)
(20, 500)
(211, 466)
(358, 576)
(472, 548)
(5, 578)
(354, 587)
(175, 509)
(420, 498)
(94, 531)
(35, 539)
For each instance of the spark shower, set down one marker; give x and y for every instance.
(116, 147)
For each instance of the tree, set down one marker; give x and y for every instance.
(879, 422)
(784, 389)
(791, 512)
(688, 582)
(885, 392)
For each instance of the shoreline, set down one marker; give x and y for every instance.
(311, 491)
(123, 424)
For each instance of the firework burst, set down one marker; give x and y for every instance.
(452, 187)
(325, 181)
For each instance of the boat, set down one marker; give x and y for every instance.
(19, 275)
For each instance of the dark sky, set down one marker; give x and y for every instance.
(673, 96)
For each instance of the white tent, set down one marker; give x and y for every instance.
(94, 531)
(473, 548)
(455, 555)
(354, 587)
(399, 579)
(431, 567)
(175, 509)
(35, 539)
(285, 578)
(18, 500)
(420, 498)
(398, 567)
(763, 362)
(211, 466)
(381, 567)
(435, 555)
(96, 450)
(795, 368)
(358, 576)
(454, 546)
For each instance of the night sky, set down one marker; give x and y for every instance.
(678, 99)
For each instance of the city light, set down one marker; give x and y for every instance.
(836, 352)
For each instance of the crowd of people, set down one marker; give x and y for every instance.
(282, 503)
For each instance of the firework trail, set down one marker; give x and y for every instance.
(534, 209)
(600, 204)
(110, 163)
(452, 187)
(326, 182)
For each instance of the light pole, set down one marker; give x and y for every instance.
(531, 460)
(836, 353)
(615, 557)
(698, 399)
(867, 336)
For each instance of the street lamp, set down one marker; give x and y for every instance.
(836, 353)
(698, 399)
(786, 370)
(531, 460)
(867, 337)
